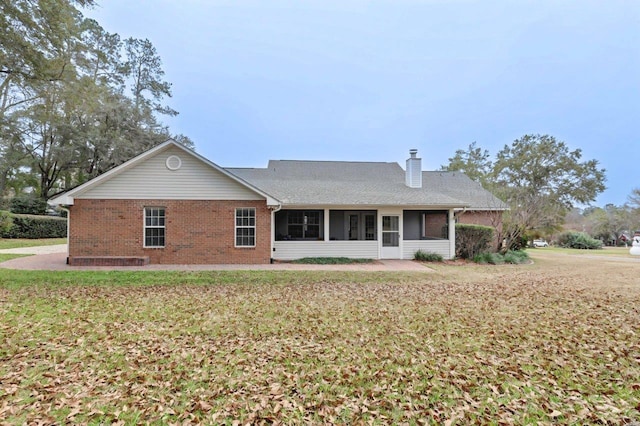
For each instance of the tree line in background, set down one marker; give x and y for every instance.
(539, 178)
(75, 100)
(613, 224)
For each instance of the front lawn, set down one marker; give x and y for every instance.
(6, 256)
(9, 243)
(549, 343)
(605, 251)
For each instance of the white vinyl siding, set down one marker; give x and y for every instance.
(442, 247)
(151, 179)
(289, 250)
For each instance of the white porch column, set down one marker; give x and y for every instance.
(68, 230)
(326, 224)
(452, 235)
(273, 231)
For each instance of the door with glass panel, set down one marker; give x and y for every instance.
(360, 226)
(390, 237)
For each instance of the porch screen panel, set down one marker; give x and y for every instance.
(353, 226)
(369, 227)
(303, 224)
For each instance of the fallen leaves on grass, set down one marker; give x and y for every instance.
(508, 347)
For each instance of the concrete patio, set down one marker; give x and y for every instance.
(53, 258)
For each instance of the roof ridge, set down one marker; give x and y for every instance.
(338, 161)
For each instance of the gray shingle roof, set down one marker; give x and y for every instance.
(458, 185)
(362, 183)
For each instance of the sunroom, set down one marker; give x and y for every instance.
(375, 233)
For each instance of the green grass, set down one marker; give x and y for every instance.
(606, 251)
(9, 243)
(5, 256)
(330, 260)
(511, 257)
(525, 345)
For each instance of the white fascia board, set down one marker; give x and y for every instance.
(371, 206)
(61, 200)
(483, 209)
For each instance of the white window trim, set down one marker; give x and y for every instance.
(144, 227)
(235, 228)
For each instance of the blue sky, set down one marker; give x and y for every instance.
(367, 81)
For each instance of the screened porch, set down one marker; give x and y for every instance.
(386, 233)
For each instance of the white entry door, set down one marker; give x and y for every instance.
(390, 237)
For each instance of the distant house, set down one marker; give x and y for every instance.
(171, 205)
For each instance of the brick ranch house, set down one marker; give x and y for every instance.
(171, 205)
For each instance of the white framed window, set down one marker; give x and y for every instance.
(246, 227)
(154, 227)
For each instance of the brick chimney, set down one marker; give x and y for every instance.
(414, 170)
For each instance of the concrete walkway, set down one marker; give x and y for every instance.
(58, 248)
(53, 258)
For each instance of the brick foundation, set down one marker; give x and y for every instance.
(197, 232)
(107, 261)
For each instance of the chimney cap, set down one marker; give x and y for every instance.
(413, 152)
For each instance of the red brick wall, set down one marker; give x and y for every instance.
(434, 224)
(486, 218)
(479, 217)
(197, 232)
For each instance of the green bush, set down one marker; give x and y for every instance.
(28, 204)
(578, 240)
(472, 240)
(427, 256)
(6, 222)
(516, 257)
(330, 260)
(491, 258)
(31, 226)
(512, 257)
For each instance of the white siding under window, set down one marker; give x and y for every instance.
(289, 250)
(442, 247)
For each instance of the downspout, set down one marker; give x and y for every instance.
(68, 228)
(274, 210)
(452, 234)
(464, 209)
